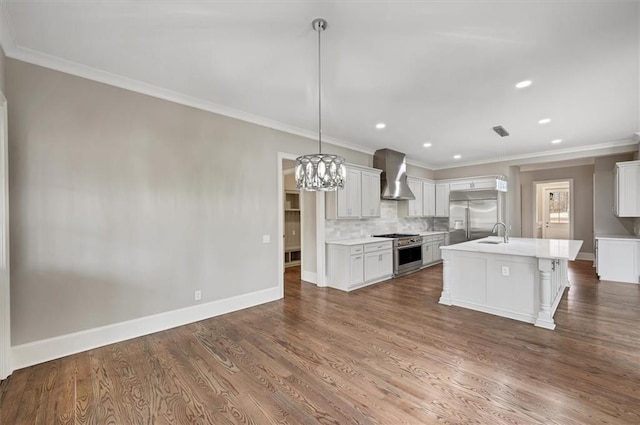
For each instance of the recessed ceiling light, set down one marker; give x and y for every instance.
(457, 156)
(544, 121)
(556, 141)
(380, 125)
(523, 84)
(427, 145)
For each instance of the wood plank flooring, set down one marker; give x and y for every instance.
(386, 354)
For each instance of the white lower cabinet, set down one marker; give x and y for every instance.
(618, 259)
(352, 266)
(437, 253)
(356, 270)
(427, 252)
(431, 252)
(378, 261)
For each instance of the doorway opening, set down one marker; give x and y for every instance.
(292, 226)
(553, 217)
(301, 241)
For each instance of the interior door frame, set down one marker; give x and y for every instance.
(534, 211)
(6, 366)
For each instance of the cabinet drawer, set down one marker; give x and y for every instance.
(356, 250)
(439, 238)
(377, 246)
(427, 239)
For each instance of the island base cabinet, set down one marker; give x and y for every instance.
(527, 289)
(352, 267)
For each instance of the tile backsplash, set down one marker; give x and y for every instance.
(389, 222)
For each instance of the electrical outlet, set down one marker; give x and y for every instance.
(198, 295)
(505, 270)
(266, 238)
(293, 232)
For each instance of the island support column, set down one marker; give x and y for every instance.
(545, 315)
(445, 297)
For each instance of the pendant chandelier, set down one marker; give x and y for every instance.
(320, 171)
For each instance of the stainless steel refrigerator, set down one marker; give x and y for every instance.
(472, 214)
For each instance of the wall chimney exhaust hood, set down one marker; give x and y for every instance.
(393, 180)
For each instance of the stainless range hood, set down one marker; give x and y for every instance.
(393, 180)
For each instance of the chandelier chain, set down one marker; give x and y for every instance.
(319, 28)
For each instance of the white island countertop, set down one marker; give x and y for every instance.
(524, 247)
(358, 241)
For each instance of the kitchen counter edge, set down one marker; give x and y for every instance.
(358, 241)
(616, 236)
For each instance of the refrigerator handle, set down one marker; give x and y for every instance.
(467, 233)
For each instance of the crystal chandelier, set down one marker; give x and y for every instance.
(320, 171)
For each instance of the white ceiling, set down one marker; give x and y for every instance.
(432, 71)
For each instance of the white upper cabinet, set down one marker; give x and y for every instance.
(415, 205)
(370, 194)
(627, 189)
(442, 200)
(432, 199)
(360, 197)
(429, 199)
(349, 198)
(481, 183)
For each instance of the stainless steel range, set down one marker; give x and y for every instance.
(407, 252)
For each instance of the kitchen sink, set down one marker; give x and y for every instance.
(491, 242)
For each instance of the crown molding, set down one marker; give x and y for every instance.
(602, 149)
(589, 160)
(73, 68)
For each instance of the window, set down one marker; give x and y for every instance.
(559, 206)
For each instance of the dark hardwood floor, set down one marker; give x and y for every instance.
(386, 354)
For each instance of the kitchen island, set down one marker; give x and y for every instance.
(523, 279)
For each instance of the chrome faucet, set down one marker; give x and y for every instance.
(506, 232)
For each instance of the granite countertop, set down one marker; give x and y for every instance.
(615, 236)
(523, 247)
(358, 241)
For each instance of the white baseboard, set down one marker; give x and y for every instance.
(310, 277)
(53, 348)
(587, 256)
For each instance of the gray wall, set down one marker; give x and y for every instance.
(423, 173)
(583, 200)
(309, 248)
(122, 205)
(604, 221)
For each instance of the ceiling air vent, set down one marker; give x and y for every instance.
(501, 131)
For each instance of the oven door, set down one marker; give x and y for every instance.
(407, 259)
